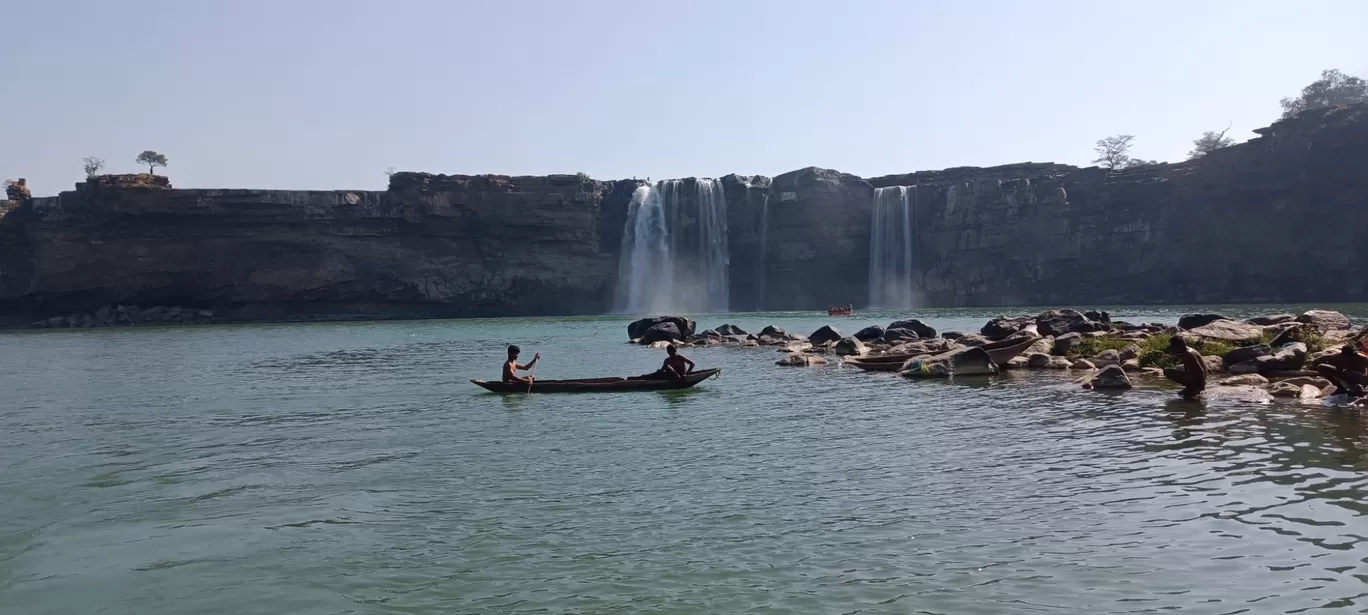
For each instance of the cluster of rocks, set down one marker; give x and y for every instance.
(18, 191)
(130, 180)
(129, 316)
(1269, 352)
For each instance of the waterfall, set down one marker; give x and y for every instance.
(890, 248)
(762, 285)
(674, 256)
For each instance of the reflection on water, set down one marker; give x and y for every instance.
(354, 469)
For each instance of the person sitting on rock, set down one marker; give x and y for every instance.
(1348, 371)
(676, 365)
(1193, 376)
(511, 366)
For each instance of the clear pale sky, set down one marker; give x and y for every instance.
(326, 94)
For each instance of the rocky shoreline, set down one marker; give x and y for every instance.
(1276, 355)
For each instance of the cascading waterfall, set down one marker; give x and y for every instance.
(763, 276)
(674, 256)
(890, 248)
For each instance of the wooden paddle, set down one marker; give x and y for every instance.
(533, 376)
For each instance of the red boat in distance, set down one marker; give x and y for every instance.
(846, 310)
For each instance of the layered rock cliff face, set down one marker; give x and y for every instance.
(1281, 218)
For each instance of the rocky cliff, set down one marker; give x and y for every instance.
(1280, 218)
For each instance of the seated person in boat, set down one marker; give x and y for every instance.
(1193, 376)
(1348, 371)
(511, 366)
(676, 365)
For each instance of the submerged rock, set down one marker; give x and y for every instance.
(801, 360)
(1243, 380)
(1110, 377)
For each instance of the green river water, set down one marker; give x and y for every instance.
(352, 468)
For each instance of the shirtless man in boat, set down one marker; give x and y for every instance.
(511, 366)
(1193, 376)
(676, 365)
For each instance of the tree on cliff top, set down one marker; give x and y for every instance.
(152, 160)
(1114, 152)
(1210, 141)
(92, 166)
(1333, 88)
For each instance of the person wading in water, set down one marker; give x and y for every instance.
(511, 366)
(1193, 376)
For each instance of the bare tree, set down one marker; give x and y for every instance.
(391, 171)
(1333, 88)
(1114, 152)
(92, 166)
(152, 160)
(1210, 141)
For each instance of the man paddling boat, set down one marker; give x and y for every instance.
(511, 366)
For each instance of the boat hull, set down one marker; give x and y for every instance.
(600, 385)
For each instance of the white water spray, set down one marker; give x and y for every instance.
(674, 256)
(890, 248)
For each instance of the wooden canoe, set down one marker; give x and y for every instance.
(600, 385)
(886, 363)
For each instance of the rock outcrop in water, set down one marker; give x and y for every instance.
(1276, 219)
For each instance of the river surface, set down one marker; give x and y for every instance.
(352, 468)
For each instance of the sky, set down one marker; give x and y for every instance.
(328, 94)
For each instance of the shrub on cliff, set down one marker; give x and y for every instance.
(92, 166)
(152, 160)
(1332, 89)
(1210, 141)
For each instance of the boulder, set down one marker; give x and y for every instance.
(1229, 331)
(1131, 365)
(824, 335)
(774, 331)
(870, 333)
(1243, 380)
(1064, 343)
(1315, 381)
(1296, 391)
(1247, 353)
(952, 335)
(1083, 364)
(1276, 319)
(1192, 321)
(898, 336)
(1060, 363)
(1038, 360)
(1099, 317)
(1058, 322)
(1323, 356)
(918, 326)
(801, 360)
(973, 340)
(1213, 364)
(1017, 362)
(1130, 352)
(730, 330)
(957, 362)
(1291, 357)
(1110, 377)
(1246, 367)
(636, 330)
(1324, 320)
(1044, 345)
(1107, 357)
(660, 332)
(849, 347)
(1003, 326)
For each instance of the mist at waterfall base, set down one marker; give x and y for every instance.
(674, 256)
(890, 249)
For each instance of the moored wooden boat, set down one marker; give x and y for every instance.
(601, 385)
(886, 363)
(1006, 350)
